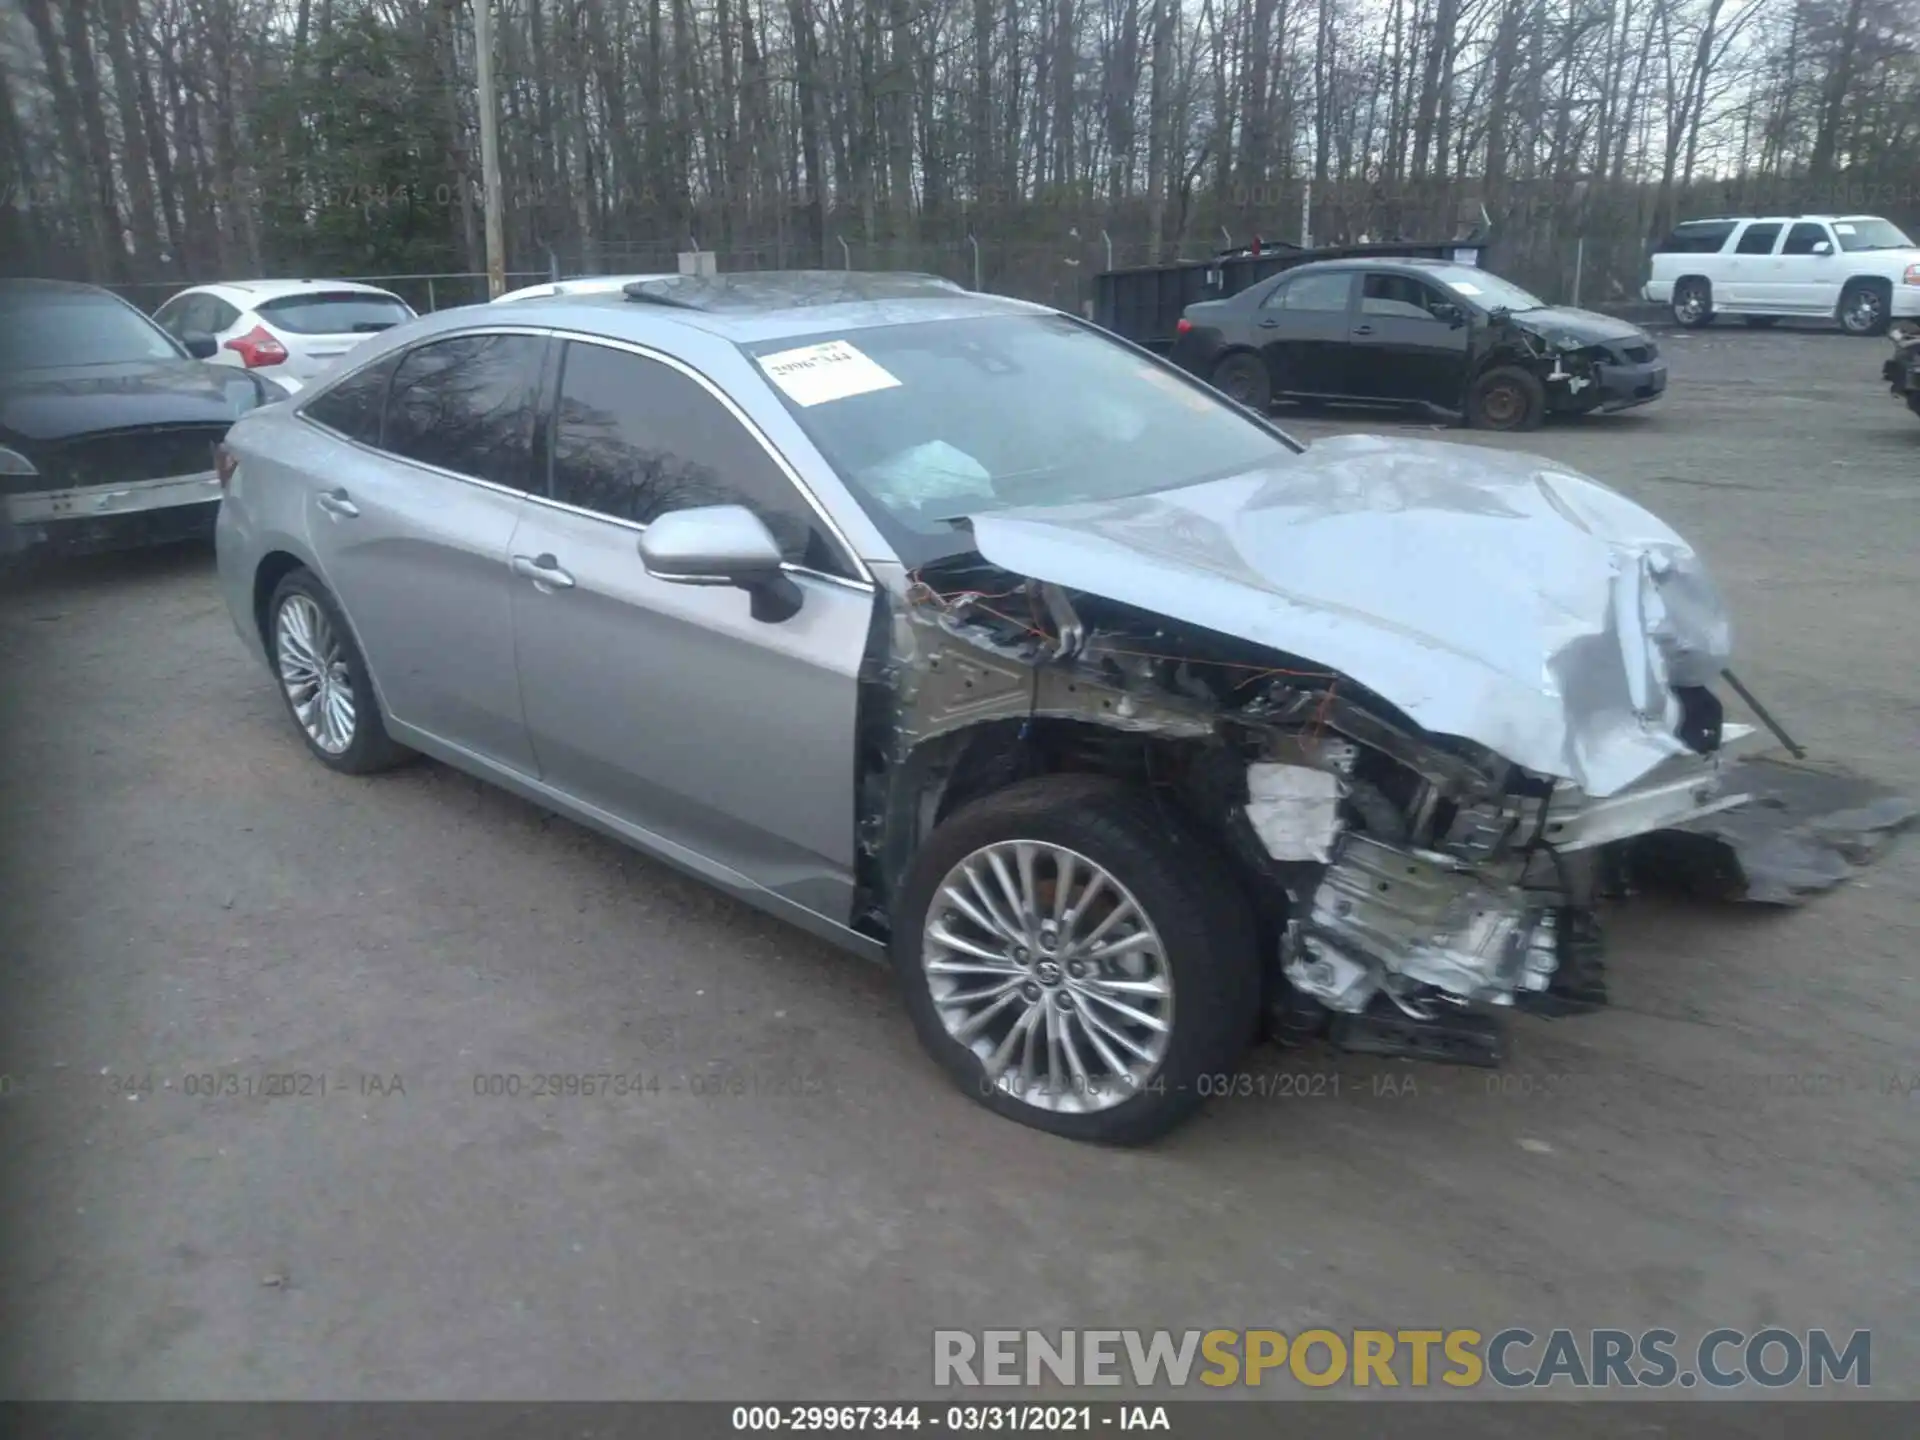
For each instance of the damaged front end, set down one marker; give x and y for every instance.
(1902, 369)
(1583, 367)
(1412, 886)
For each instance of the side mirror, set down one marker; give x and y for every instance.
(1823, 247)
(200, 345)
(721, 545)
(1451, 313)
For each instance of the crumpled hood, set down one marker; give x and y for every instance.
(1494, 596)
(1588, 327)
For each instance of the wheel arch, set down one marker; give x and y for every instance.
(1193, 776)
(274, 567)
(281, 560)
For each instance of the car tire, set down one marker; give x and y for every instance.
(1243, 377)
(1693, 303)
(1761, 322)
(307, 638)
(1864, 307)
(1199, 946)
(1506, 398)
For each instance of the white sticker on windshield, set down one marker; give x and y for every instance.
(1465, 287)
(815, 374)
(1844, 229)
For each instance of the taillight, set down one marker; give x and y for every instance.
(257, 347)
(225, 462)
(1183, 327)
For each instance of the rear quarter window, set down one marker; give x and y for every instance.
(353, 406)
(1703, 237)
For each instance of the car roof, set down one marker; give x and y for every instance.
(255, 292)
(1380, 262)
(1774, 219)
(753, 306)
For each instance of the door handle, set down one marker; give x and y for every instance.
(544, 572)
(1269, 324)
(336, 503)
(1363, 329)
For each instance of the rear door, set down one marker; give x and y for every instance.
(1301, 329)
(1748, 270)
(669, 707)
(1402, 347)
(319, 327)
(412, 536)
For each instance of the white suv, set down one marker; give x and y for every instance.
(292, 329)
(1858, 269)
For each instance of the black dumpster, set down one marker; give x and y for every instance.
(1143, 303)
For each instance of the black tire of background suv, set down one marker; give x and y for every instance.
(1879, 327)
(1259, 383)
(1182, 883)
(1693, 282)
(1532, 391)
(372, 750)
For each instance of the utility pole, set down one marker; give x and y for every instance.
(489, 149)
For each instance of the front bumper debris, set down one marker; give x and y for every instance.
(110, 517)
(1683, 789)
(1621, 387)
(1805, 829)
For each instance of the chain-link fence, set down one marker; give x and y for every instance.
(1057, 272)
(1060, 272)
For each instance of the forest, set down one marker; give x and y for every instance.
(1021, 145)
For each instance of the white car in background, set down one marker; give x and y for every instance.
(294, 330)
(583, 285)
(1860, 270)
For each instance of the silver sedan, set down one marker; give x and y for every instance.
(954, 629)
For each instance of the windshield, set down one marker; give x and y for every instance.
(345, 313)
(1487, 291)
(931, 421)
(52, 329)
(1871, 235)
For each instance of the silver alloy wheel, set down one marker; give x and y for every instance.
(1691, 305)
(313, 669)
(1861, 311)
(1046, 968)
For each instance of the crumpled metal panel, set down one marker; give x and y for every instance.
(1490, 595)
(1805, 829)
(1426, 917)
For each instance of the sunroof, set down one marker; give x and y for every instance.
(787, 289)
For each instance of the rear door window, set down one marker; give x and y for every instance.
(1321, 293)
(468, 405)
(344, 313)
(1758, 239)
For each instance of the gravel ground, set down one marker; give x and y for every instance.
(188, 895)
